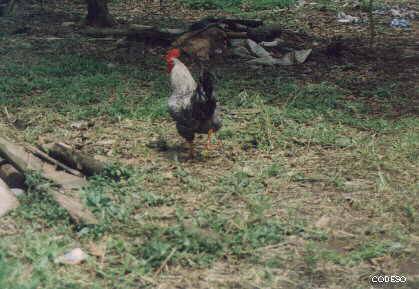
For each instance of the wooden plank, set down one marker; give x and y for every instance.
(74, 208)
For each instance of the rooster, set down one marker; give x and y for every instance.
(192, 105)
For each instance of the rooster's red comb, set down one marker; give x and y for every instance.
(172, 53)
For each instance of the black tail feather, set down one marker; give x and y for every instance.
(206, 81)
(204, 102)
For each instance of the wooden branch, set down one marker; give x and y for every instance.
(232, 23)
(252, 23)
(137, 32)
(8, 201)
(75, 159)
(37, 152)
(164, 263)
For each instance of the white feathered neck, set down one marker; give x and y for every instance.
(181, 79)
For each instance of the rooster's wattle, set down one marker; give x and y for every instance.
(192, 105)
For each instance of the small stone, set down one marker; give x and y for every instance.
(74, 257)
(400, 23)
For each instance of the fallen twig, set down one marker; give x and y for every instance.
(164, 263)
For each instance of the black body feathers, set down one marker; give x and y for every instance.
(203, 101)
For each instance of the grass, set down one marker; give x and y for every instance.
(75, 86)
(295, 151)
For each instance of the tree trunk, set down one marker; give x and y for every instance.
(98, 14)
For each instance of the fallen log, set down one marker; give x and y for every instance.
(75, 159)
(8, 201)
(12, 177)
(27, 162)
(37, 152)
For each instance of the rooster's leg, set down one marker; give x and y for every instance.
(208, 145)
(191, 149)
